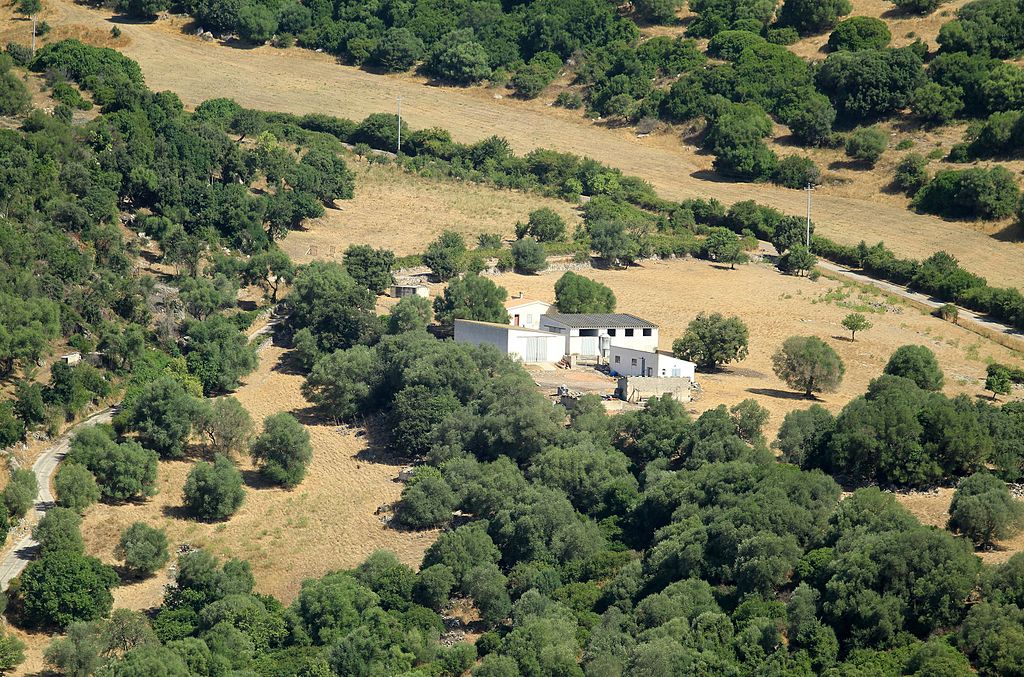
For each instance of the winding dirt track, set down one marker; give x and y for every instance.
(301, 81)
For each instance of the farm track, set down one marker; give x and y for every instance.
(300, 81)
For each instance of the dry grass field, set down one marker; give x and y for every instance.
(301, 81)
(403, 212)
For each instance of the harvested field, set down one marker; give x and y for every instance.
(315, 82)
(403, 212)
(775, 306)
(326, 523)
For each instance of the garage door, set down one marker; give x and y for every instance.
(536, 349)
(588, 346)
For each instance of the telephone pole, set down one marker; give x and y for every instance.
(399, 150)
(809, 189)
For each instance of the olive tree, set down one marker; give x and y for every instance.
(984, 511)
(213, 491)
(76, 487)
(283, 450)
(142, 548)
(808, 364)
(917, 363)
(856, 322)
(712, 340)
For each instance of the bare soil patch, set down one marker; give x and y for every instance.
(302, 81)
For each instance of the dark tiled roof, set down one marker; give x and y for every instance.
(586, 321)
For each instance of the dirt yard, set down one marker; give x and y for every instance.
(197, 70)
(403, 212)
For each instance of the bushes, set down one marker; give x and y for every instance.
(20, 493)
(62, 588)
(794, 171)
(544, 224)
(531, 79)
(528, 256)
(918, 364)
(578, 294)
(809, 364)
(911, 173)
(983, 510)
(283, 450)
(76, 487)
(397, 50)
(859, 32)
(810, 17)
(213, 491)
(870, 83)
(866, 144)
(444, 256)
(142, 548)
(976, 193)
(472, 297)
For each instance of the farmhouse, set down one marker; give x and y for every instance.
(521, 343)
(592, 336)
(524, 312)
(400, 291)
(632, 362)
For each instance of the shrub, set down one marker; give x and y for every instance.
(658, 11)
(544, 224)
(578, 294)
(528, 256)
(712, 340)
(866, 144)
(810, 17)
(979, 193)
(20, 492)
(488, 241)
(570, 100)
(798, 260)
(444, 256)
(918, 364)
(58, 533)
(531, 79)
(794, 171)
(859, 32)
(918, 6)
(983, 510)
(62, 588)
(398, 50)
(936, 104)
(911, 173)
(809, 364)
(76, 487)
(213, 491)
(283, 450)
(472, 297)
(142, 548)
(427, 501)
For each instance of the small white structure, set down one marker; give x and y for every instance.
(520, 343)
(631, 362)
(71, 359)
(400, 291)
(523, 312)
(592, 336)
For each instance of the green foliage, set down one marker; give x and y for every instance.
(810, 18)
(427, 500)
(935, 104)
(142, 548)
(866, 144)
(531, 79)
(528, 256)
(808, 364)
(12, 653)
(58, 533)
(397, 50)
(976, 193)
(983, 510)
(162, 415)
(335, 308)
(76, 487)
(724, 246)
(213, 491)
(859, 32)
(658, 11)
(911, 173)
(870, 83)
(544, 224)
(712, 340)
(578, 294)
(337, 385)
(794, 171)
(735, 136)
(918, 6)
(283, 450)
(219, 354)
(142, 9)
(370, 267)
(123, 471)
(412, 313)
(256, 23)
(918, 364)
(855, 322)
(62, 588)
(798, 260)
(804, 434)
(227, 425)
(14, 96)
(472, 297)
(444, 256)
(20, 492)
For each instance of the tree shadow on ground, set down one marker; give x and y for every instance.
(1013, 232)
(288, 364)
(781, 394)
(178, 512)
(378, 444)
(842, 338)
(254, 479)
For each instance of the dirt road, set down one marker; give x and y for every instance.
(300, 81)
(24, 550)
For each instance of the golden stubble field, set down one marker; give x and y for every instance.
(301, 81)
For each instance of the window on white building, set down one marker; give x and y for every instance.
(647, 332)
(611, 332)
(633, 361)
(629, 332)
(617, 360)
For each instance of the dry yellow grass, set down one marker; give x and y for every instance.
(403, 212)
(301, 81)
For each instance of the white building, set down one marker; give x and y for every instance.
(519, 343)
(661, 363)
(524, 312)
(400, 291)
(592, 336)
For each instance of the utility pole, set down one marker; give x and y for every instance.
(33, 36)
(399, 126)
(809, 189)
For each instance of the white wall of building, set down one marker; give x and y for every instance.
(524, 345)
(526, 313)
(630, 362)
(596, 342)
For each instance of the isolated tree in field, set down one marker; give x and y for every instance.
(578, 294)
(411, 313)
(713, 340)
(528, 256)
(59, 532)
(227, 425)
(808, 364)
(724, 246)
(269, 270)
(370, 267)
(997, 380)
(59, 589)
(917, 363)
(142, 548)
(855, 322)
(76, 487)
(445, 256)
(866, 144)
(984, 511)
(213, 491)
(162, 416)
(283, 450)
(472, 297)
(544, 224)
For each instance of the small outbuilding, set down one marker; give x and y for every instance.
(520, 343)
(632, 362)
(523, 312)
(400, 291)
(591, 336)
